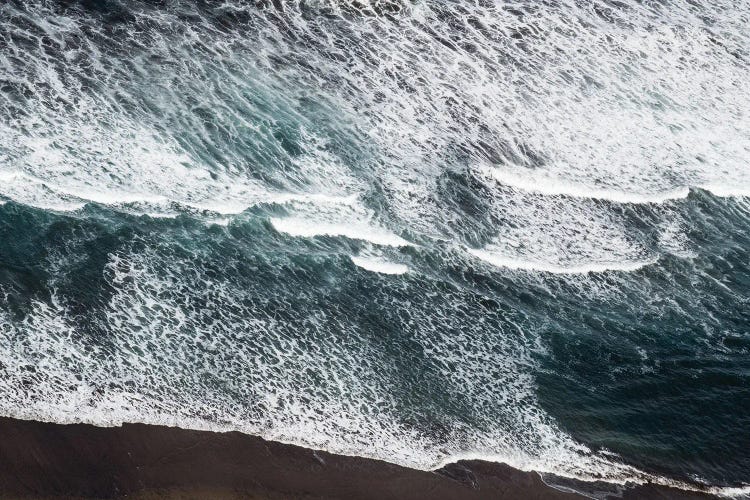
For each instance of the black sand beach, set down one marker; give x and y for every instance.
(43, 460)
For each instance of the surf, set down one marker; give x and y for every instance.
(413, 233)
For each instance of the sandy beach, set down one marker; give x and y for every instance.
(44, 460)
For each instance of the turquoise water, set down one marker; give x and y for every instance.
(415, 231)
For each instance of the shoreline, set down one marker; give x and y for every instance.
(47, 460)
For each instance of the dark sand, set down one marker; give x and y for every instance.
(41, 460)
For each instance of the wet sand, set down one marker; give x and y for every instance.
(43, 460)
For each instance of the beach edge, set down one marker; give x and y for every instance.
(48, 460)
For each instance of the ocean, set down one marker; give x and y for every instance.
(417, 231)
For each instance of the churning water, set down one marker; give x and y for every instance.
(416, 231)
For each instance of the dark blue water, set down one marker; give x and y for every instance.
(416, 231)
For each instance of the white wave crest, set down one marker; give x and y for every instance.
(557, 187)
(308, 228)
(378, 265)
(547, 267)
(727, 191)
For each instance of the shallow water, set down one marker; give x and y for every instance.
(414, 231)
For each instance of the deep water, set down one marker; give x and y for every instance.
(416, 231)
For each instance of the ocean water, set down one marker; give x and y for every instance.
(412, 230)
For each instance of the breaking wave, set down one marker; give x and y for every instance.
(306, 220)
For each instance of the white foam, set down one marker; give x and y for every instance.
(378, 265)
(162, 215)
(630, 105)
(293, 393)
(558, 187)
(546, 185)
(726, 191)
(29, 190)
(628, 475)
(236, 207)
(555, 268)
(308, 228)
(219, 221)
(108, 197)
(316, 198)
(40, 193)
(732, 492)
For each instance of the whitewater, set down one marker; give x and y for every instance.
(417, 231)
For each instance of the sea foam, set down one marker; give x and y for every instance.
(378, 265)
(548, 267)
(369, 132)
(308, 228)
